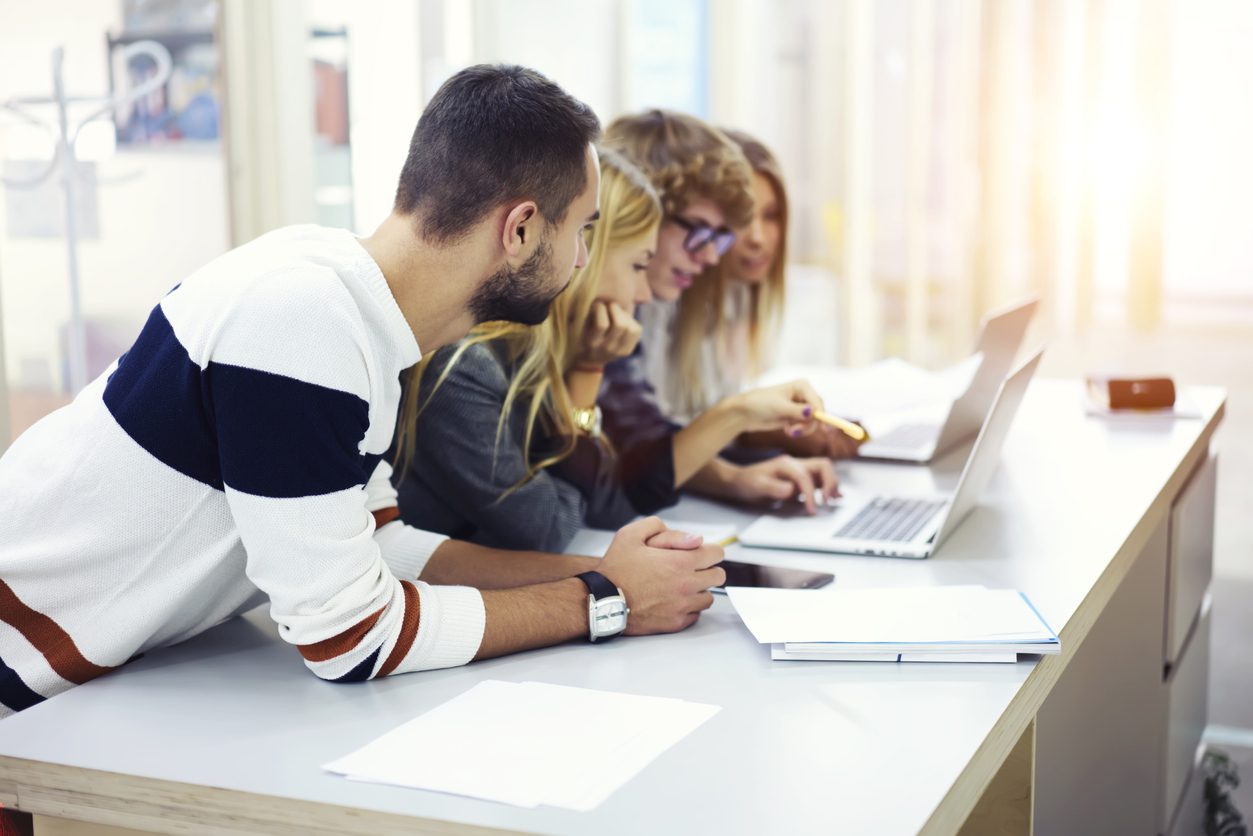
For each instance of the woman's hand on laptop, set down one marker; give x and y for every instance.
(785, 478)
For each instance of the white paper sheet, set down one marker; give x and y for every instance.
(885, 393)
(526, 744)
(905, 615)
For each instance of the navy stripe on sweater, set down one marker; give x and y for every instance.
(282, 437)
(157, 397)
(260, 433)
(363, 669)
(14, 693)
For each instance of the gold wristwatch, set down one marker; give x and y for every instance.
(587, 419)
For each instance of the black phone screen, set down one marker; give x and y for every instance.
(754, 574)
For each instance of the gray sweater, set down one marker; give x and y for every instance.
(460, 470)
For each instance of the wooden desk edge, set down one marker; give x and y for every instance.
(109, 798)
(957, 804)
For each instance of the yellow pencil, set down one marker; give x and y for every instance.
(853, 431)
(726, 541)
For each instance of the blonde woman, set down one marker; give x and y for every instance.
(718, 335)
(507, 436)
(486, 423)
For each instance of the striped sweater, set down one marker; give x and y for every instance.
(233, 455)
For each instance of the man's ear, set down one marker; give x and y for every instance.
(514, 235)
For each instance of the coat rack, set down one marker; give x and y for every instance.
(64, 164)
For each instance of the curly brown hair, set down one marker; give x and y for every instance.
(686, 160)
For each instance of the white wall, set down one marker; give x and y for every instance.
(400, 51)
(573, 42)
(1209, 207)
(385, 95)
(153, 230)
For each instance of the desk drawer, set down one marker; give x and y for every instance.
(1190, 817)
(1187, 692)
(1191, 554)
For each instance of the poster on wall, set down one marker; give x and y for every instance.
(188, 106)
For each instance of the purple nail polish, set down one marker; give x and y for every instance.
(796, 433)
(809, 410)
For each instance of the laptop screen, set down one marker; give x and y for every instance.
(986, 452)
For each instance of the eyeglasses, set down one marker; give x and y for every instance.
(701, 234)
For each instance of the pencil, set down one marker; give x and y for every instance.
(853, 431)
(726, 541)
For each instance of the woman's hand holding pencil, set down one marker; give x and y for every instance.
(793, 407)
(790, 407)
(854, 431)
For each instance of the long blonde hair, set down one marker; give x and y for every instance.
(539, 356)
(702, 312)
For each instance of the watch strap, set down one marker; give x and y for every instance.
(598, 585)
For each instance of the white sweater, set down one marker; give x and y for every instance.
(232, 455)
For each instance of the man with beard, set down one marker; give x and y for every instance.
(234, 454)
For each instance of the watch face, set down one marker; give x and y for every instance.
(588, 420)
(609, 617)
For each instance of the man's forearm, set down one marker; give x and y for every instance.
(458, 563)
(533, 616)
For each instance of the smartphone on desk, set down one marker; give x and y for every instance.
(776, 577)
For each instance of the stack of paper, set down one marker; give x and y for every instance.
(887, 393)
(945, 623)
(527, 744)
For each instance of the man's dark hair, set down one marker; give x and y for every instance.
(491, 134)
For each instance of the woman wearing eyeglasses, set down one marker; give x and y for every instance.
(718, 336)
(706, 186)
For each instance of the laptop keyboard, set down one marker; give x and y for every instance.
(908, 435)
(892, 519)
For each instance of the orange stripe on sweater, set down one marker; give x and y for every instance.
(408, 629)
(49, 638)
(340, 644)
(385, 515)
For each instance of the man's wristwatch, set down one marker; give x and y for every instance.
(607, 608)
(588, 420)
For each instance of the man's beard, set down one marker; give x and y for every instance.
(518, 295)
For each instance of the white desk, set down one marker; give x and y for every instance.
(228, 730)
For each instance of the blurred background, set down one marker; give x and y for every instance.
(942, 157)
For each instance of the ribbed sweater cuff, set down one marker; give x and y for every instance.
(406, 549)
(450, 627)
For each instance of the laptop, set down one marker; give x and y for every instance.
(1000, 336)
(902, 526)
